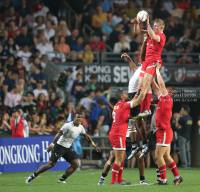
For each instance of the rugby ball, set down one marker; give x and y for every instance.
(142, 16)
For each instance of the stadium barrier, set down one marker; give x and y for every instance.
(26, 154)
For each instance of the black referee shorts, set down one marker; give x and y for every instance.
(152, 141)
(59, 151)
(136, 110)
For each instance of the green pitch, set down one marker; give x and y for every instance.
(86, 181)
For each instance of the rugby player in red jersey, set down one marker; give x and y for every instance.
(164, 131)
(119, 128)
(155, 42)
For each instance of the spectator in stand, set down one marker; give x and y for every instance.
(131, 11)
(91, 85)
(188, 20)
(9, 82)
(96, 44)
(79, 69)
(13, 98)
(39, 90)
(41, 102)
(63, 29)
(107, 6)
(6, 5)
(24, 53)
(168, 5)
(29, 100)
(184, 5)
(53, 19)
(63, 47)
(87, 57)
(160, 12)
(2, 28)
(13, 30)
(107, 27)
(56, 56)
(178, 27)
(98, 19)
(121, 3)
(71, 40)
(69, 83)
(117, 17)
(176, 11)
(4, 38)
(186, 58)
(11, 15)
(57, 90)
(95, 108)
(43, 10)
(77, 87)
(87, 102)
(73, 57)
(9, 64)
(10, 46)
(23, 9)
(44, 47)
(184, 126)
(28, 64)
(49, 31)
(126, 24)
(52, 98)
(37, 75)
(122, 46)
(38, 25)
(19, 68)
(147, 7)
(19, 126)
(79, 44)
(24, 39)
(3, 55)
(56, 108)
(114, 36)
(5, 122)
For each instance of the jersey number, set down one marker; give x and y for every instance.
(114, 116)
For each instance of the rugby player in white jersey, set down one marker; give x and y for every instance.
(62, 147)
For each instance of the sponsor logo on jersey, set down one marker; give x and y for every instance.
(180, 74)
(116, 107)
(150, 44)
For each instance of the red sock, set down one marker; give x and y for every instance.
(120, 172)
(174, 169)
(148, 101)
(115, 172)
(142, 104)
(162, 172)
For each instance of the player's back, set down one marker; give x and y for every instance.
(120, 117)
(164, 112)
(154, 49)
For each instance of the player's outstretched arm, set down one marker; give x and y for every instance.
(89, 139)
(156, 88)
(150, 31)
(136, 28)
(58, 135)
(160, 80)
(131, 63)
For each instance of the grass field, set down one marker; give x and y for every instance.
(87, 180)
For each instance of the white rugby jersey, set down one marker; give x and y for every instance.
(133, 82)
(70, 133)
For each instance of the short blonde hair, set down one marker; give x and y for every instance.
(160, 22)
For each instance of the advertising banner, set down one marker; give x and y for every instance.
(26, 154)
(121, 73)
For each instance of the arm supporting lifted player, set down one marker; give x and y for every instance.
(60, 133)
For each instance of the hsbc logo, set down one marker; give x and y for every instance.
(180, 74)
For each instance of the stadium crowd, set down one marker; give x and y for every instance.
(30, 35)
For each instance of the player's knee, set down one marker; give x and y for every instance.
(75, 164)
(50, 165)
(112, 157)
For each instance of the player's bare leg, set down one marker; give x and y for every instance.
(40, 170)
(172, 166)
(148, 78)
(157, 170)
(107, 167)
(119, 159)
(69, 171)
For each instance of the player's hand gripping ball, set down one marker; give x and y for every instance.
(142, 16)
